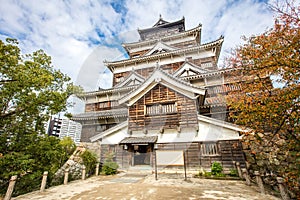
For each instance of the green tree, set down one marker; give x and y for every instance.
(270, 106)
(68, 146)
(31, 90)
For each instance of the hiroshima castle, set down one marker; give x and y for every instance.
(167, 96)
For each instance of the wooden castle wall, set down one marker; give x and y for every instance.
(184, 116)
(228, 151)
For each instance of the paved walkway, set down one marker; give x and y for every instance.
(139, 186)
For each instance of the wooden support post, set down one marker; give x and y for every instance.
(259, 182)
(10, 188)
(246, 176)
(238, 167)
(44, 181)
(97, 168)
(184, 165)
(283, 192)
(234, 164)
(155, 164)
(247, 165)
(66, 176)
(83, 172)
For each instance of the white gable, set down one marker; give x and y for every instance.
(160, 77)
(132, 79)
(189, 69)
(160, 47)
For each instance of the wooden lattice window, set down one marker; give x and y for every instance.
(160, 109)
(209, 149)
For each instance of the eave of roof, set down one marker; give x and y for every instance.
(165, 54)
(121, 112)
(106, 91)
(209, 74)
(139, 140)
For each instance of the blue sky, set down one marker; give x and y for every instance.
(80, 34)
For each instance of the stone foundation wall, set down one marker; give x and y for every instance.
(74, 164)
(266, 153)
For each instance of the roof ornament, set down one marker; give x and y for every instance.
(157, 65)
(160, 17)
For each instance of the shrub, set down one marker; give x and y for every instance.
(216, 168)
(109, 166)
(233, 172)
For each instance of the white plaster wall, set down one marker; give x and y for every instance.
(210, 132)
(172, 135)
(115, 137)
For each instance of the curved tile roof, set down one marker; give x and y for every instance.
(161, 55)
(121, 112)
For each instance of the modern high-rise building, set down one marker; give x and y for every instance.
(72, 129)
(65, 128)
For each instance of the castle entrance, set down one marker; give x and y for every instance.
(140, 149)
(142, 154)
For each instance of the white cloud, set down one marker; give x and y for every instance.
(70, 31)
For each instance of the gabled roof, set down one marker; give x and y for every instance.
(189, 69)
(162, 24)
(161, 77)
(160, 47)
(193, 31)
(222, 124)
(132, 79)
(109, 131)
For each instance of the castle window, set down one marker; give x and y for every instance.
(161, 109)
(209, 149)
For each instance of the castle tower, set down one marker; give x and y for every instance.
(165, 96)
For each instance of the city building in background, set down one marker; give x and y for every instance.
(65, 127)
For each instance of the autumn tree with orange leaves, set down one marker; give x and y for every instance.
(269, 100)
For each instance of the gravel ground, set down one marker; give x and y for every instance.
(141, 186)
